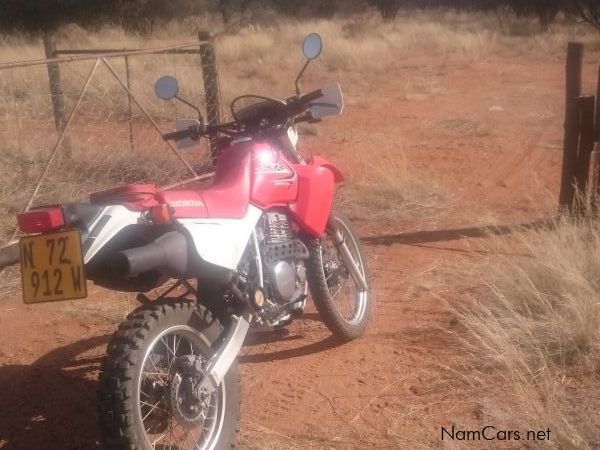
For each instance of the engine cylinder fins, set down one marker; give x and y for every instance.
(294, 249)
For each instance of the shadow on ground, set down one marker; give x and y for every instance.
(51, 404)
(422, 237)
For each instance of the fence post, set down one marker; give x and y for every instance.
(128, 75)
(595, 156)
(586, 141)
(210, 75)
(571, 140)
(58, 104)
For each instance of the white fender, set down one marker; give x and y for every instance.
(111, 220)
(222, 241)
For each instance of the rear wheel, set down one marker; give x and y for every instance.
(342, 304)
(148, 389)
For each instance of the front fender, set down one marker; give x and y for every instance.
(319, 161)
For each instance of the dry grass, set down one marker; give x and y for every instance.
(383, 190)
(359, 51)
(535, 320)
(259, 58)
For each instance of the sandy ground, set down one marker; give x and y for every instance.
(487, 133)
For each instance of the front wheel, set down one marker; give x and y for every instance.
(149, 395)
(342, 304)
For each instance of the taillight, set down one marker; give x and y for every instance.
(41, 219)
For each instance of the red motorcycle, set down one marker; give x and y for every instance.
(247, 249)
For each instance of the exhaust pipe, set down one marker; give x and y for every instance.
(167, 254)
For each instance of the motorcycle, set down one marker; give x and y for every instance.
(248, 249)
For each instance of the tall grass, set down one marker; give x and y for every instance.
(534, 320)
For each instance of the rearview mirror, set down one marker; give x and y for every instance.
(166, 88)
(312, 46)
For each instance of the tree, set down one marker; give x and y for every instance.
(388, 8)
(545, 10)
(587, 10)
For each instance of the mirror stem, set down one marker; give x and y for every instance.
(191, 106)
(300, 76)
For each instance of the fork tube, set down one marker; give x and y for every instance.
(348, 260)
(257, 259)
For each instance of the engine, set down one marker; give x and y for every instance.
(283, 256)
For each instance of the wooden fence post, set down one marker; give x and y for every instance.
(571, 140)
(593, 186)
(58, 104)
(210, 75)
(586, 142)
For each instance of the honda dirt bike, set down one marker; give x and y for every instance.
(247, 250)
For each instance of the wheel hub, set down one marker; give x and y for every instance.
(189, 402)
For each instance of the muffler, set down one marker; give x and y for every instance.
(168, 254)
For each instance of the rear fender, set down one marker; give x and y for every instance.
(107, 225)
(319, 161)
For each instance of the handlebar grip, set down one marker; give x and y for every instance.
(314, 95)
(172, 136)
(194, 132)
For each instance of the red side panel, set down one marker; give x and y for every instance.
(229, 195)
(274, 183)
(315, 197)
(226, 198)
(184, 204)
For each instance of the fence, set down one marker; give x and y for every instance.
(87, 119)
(581, 152)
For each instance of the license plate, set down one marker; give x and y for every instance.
(52, 267)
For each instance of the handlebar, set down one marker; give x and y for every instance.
(307, 98)
(293, 107)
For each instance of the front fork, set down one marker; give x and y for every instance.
(347, 258)
(219, 364)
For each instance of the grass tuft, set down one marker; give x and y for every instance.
(535, 320)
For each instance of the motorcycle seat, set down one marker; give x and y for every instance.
(227, 197)
(136, 197)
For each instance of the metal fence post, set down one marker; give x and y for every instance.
(58, 104)
(210, 75)
(128, 75)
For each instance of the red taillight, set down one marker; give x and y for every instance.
(41, 219)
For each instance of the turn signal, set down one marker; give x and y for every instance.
(161, 213)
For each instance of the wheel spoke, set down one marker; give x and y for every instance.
(158, 439)
(150, 412)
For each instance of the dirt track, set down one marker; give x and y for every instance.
(489, 132)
